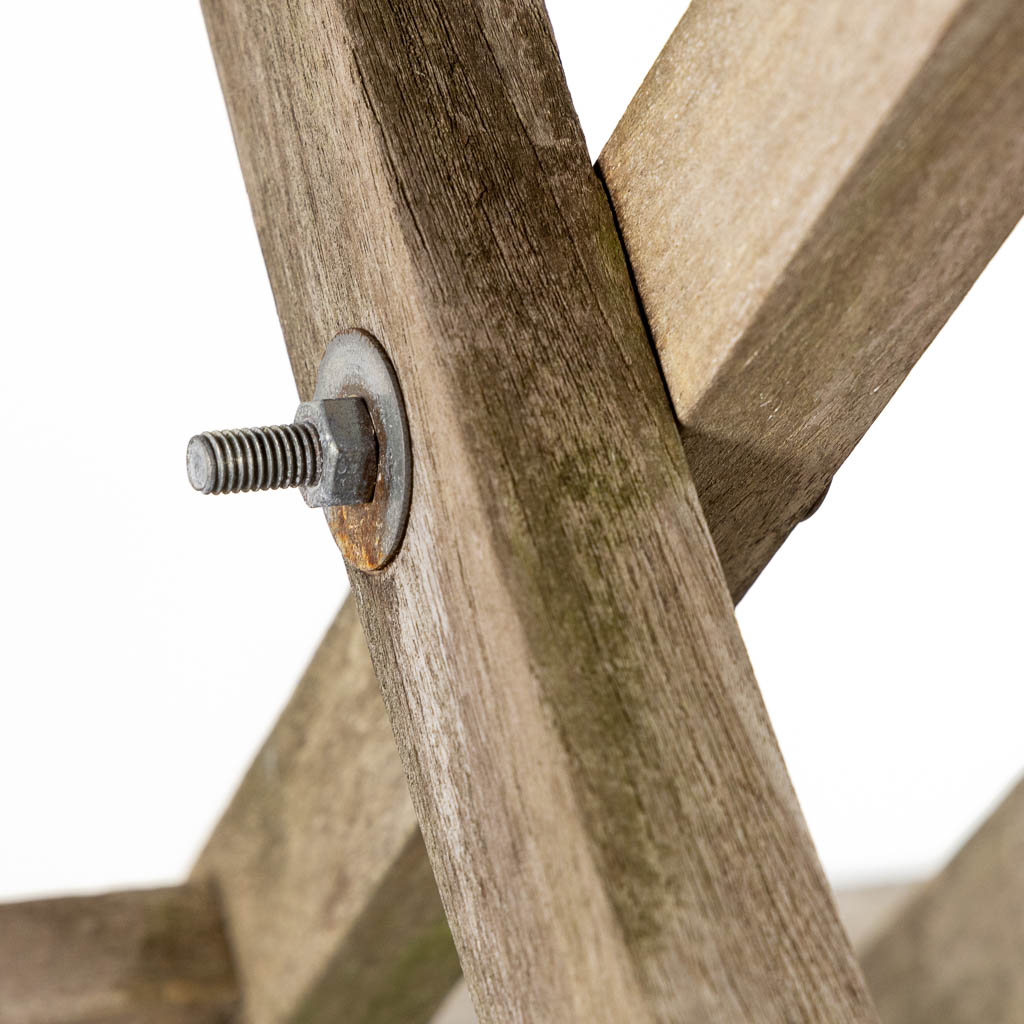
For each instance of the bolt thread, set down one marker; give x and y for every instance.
(254, 459)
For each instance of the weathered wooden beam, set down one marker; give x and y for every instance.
(605, 808)
(806, 191)
(954, 952)
(328, 894)
(862, 911)
(157, 956)
(337, 913)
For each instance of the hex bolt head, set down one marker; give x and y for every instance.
(348, 452)
(330, 452)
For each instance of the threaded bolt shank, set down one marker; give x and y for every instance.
(254, 459)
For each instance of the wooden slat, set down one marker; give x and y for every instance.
(605, 808)
(329, 898)
(806, 191)
(954, 953)
(157, 956)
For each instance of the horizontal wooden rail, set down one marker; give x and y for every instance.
(883, 88)
(953, 954)
(158, 956)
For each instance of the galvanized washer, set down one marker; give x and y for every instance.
(355, 365)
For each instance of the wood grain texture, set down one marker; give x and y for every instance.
(605, 808)
(806, 191)
(329, 898)
(862, 911)
(954, 954)
(157, 956)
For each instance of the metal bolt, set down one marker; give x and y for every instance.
(349, 450)
(330, 452)
(256, 459)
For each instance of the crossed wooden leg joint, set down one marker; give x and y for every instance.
(804, 192)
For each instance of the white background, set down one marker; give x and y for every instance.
(150, 636)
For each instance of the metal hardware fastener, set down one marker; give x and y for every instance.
(348, 451)
(330, 452)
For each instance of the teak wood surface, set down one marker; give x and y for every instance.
(157, 956)
(950, 81)
(864, 912)
(609, 820)
(806, 191)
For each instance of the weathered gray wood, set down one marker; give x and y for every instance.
(605, 808)
(157, 956)
(954, 954)
(327, 891)
(338, 912)
(862, 911)
(806, 191)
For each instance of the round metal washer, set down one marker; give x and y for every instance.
(355, 365)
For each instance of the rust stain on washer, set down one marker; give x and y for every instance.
(356, 365)
(358, 530)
